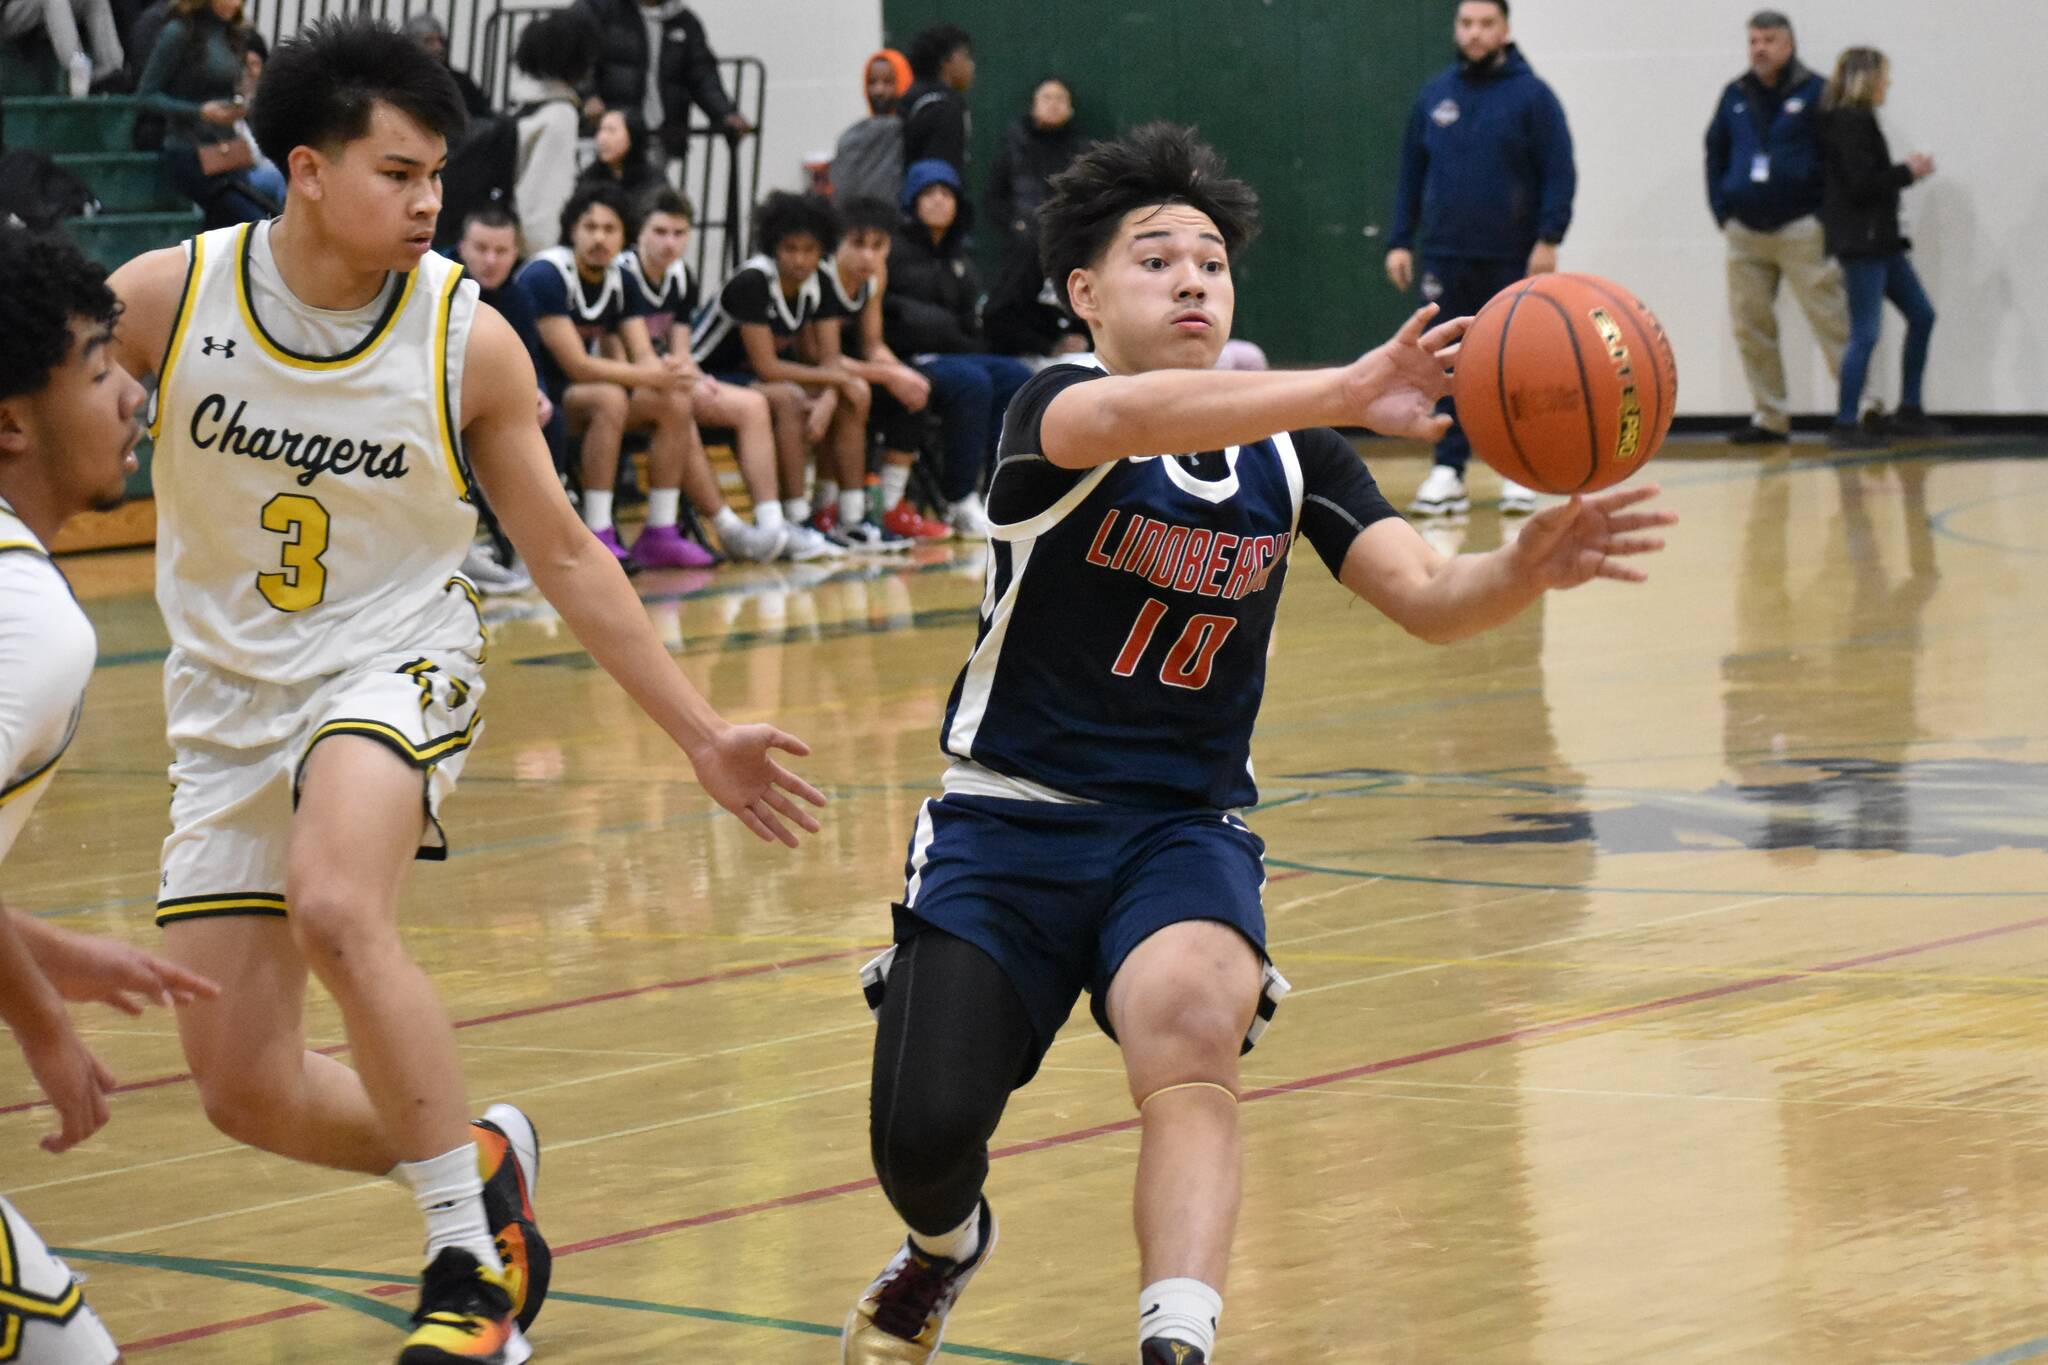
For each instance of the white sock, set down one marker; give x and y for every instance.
(1180, 1310)
(726, 522)
(895, 483)
(825, 492)
(960, 1244)
(597, 510)
(768, 515)
(664, 506)
(853, 507)
(451, 1194)
(797, 510)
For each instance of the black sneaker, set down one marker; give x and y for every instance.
(1750, 434)
(1915, 424)
(1166, 1351)
(508, 1160)
(1857, 438)
(901, 1318)
(464, 1317)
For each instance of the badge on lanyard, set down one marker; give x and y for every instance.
(1760, 168)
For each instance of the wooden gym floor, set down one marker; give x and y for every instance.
(1669, 972)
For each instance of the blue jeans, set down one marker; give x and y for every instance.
(969, 393)
(226, 199)
(1459, 286)
(1869, 281)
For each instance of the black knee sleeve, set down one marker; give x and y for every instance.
(952, 1039)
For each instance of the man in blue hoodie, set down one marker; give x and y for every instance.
(1487, 175)
(1764, 186)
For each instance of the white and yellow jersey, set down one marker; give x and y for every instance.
(313, 504)
(47, 649)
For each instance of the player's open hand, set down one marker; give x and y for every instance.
(1590, 537)
(98, 970)
(738, 768)
(76, 1082)
(1394, 388)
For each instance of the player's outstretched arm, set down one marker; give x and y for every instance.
(1441, 599)
(87, 969)
(74, 1080)
(735, 763)
(1393, 389)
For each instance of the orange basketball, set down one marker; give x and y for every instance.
(1565, 383)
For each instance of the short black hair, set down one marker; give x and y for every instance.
(489, 216)
(318, 87)
(1501, 5)
(783, 214)
(591, 193)
(865, 213)
(561, 46)
(929, 49)
(1151, 166)
(45, 282)
(670, 201)
(1771, 18)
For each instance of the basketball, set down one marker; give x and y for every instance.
(1565, 383)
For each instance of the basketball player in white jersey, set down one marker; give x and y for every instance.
(327, 389)
(68, 430)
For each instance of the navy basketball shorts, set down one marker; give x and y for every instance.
(1059, 895)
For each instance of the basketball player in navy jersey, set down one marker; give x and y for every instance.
(1100, 733)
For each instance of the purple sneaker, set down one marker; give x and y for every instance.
(666, 547)
(609, 538)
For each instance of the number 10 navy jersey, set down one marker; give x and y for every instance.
(1121, 655)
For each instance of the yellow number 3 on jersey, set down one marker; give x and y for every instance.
(303, 581)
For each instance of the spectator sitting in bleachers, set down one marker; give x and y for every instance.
(749, 334)
(579, 297)
(194, 81)
(653, 58)
(426, 30)
(867, 163)
(489, 249)
(932, 314)
(554, 54)
(662, 293)
(856, 277)
(60, 20)
(622, 159)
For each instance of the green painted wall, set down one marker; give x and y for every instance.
(1306, 98)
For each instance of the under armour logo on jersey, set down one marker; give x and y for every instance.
(226, 348)
(1445, 114)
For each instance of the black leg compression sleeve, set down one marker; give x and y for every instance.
(952, 1040)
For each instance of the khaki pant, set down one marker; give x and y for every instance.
(1756, 262)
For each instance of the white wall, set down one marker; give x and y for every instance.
(1639, 79)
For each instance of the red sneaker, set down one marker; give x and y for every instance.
(908, 522)
(825, 520)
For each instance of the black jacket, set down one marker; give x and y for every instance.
(934, 125)
(1031, 157)
(934, 299)
(688, 67)
(1859, 210)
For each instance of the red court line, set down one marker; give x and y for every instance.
(528, 1011)
(297, 1310)
(1264, 1092)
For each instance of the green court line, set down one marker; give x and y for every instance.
(1367, 874)
(267, 1276)
(273, 1276)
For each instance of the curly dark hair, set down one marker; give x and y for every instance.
(593, 192)
(865, 213)
(1151, 166)
(318, 87)
(929, 49)
(45, 283)
(783, 214)
(563, 45)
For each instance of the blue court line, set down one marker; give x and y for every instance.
(276, 1277)
(1938, 523)
(1367, 874)
(2026, 1350)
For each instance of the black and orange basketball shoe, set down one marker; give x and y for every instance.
(508, 1159)
(465, 1316)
